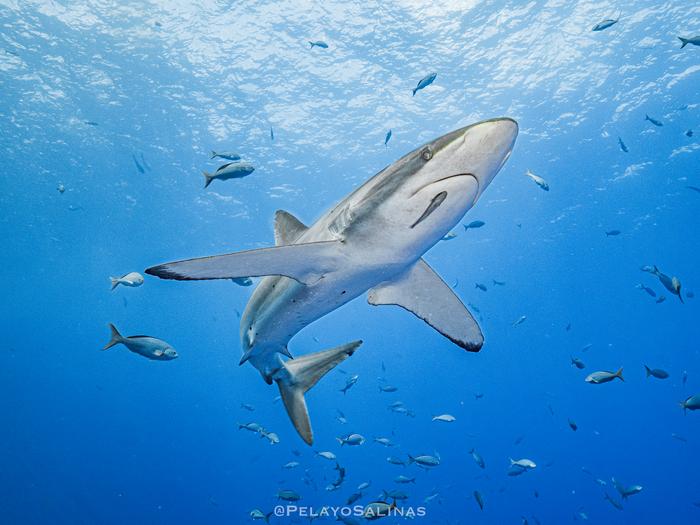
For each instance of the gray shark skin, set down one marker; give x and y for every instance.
(370, 242)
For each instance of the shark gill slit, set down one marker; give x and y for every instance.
(434, 205)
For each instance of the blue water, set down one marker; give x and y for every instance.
(112, 438)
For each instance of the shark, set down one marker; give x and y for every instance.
(372, 242)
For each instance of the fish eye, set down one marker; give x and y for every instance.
(426, 154)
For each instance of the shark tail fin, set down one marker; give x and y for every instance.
(114, 281)
(115, 339)
(207, 178)
(684, 41)
(300, 375)
(619, 374)
(648, 370)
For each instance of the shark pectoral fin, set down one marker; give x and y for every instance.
(421, 291)
(305, 263)
(287, 228)
(299, 375)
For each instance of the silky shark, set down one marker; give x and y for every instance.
(371, 242)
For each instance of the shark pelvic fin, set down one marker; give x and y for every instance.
(298, 376)
(287, 228)
(421, 291)
(305, 263)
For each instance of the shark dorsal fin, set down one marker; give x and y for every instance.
(287, 228)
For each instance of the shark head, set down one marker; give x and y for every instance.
(422, 196)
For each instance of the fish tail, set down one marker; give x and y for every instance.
(298, 376)
(684, 41)
(411, 459)
(116, 337)
(114, 281)
(312, 44)
(267, 517)
(207, 178)
(648, 370)
(619, 374)
(414, 91)
(213, 154)
(341, 441)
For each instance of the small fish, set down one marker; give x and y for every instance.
(689, 133)
(273, 438)
(394, 494)
(326, 455)
(614, 503)
(526, 464)
(597, 378)
(388, 388)
(132, 279)
(395, 461)
(378, 509)
(608, 22)
(692, 403)
(477, 458)
(573, 425)
(242, 281)
(694, 40)
(613, 233)
(447, 418)
(431, 497)
(424, 82)
(601, 482)
(656, 372)
(364, 485)
(252, 427)
(61, 188)
(647, 289)
(138, 165)
(694, 188)
(424, 461)
(449, 236)
(149, 347)
(353, 498)
(272, 134)
(623, 147)
(684, 377)
(404, 479)
(498, 283)
(232, 170)
(520, 320)
(679, 438)
(352, 440)
(479, 499)
(661, 299)
(249, 408)
(653, 121)
(481, 287)
(318, 43)
(575, 361)
(257, 514)
(349, 383)
(672, 284)
(227, 155)
(383, 441)
(473, 225)
(387, 138)
(626, 490)
(291, 465)
(288, 495)
(92, 123)
(537, 180)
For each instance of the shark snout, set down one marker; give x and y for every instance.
(488, 146)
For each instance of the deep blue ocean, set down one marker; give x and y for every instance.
(109, 112)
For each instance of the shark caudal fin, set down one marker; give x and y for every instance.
(302, 373)
(207, 178)
(115, 339)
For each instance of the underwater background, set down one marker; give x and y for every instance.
(108, 114)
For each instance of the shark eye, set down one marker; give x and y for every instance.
(426, 154)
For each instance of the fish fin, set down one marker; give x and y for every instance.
(267, 517)
(114, 281)
(213, 154)
(115, 339)
(648, 370)
(285, 352)
(422, 292)
(684, 42)
(208, 177)
(158, 353)
(287, 228)
(300, 375)
(246, 356)
(619, 374)
(306, 263)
